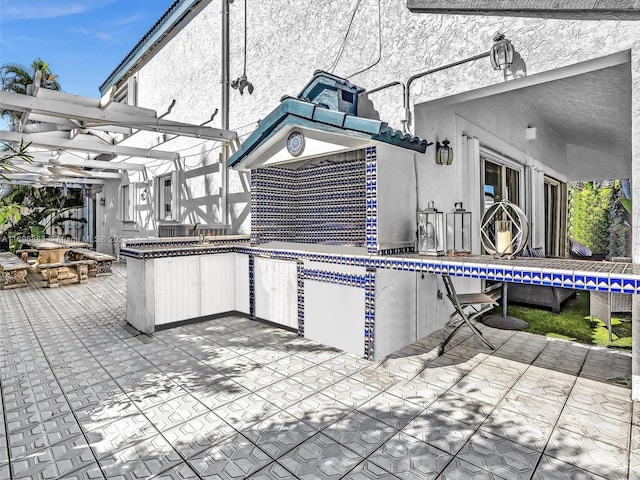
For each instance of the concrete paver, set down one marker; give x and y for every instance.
(86, 396)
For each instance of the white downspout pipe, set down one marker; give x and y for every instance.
(225, 107)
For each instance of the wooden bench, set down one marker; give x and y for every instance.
(51, 270)
(24, 253)
(13, 271)
(102, 261)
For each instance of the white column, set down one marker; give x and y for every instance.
(635, 184)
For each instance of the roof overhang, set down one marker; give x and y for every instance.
(329, 131)
(176, 16)
(588, 106)
(561, 9)
(317, 143)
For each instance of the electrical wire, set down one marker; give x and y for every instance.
(346, 35)
(244, 68)
(379, 44)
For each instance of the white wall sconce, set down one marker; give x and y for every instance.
(531, 133)
(444, 153)
(501, 55)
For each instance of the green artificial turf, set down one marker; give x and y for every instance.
(573, 323)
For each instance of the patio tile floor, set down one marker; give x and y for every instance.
(84, 395)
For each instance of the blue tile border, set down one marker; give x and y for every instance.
(254, 203)
(301, 277)
(371, 167)
(252, 288)
(370, 314)
(351, 280)
(516, 271)
(396, 251)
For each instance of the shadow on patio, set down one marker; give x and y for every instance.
(86, 396)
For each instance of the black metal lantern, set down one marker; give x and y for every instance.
(459, 232)
(444, 153)
(501, 52)
(430, 231)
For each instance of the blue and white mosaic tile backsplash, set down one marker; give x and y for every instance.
(315, 204)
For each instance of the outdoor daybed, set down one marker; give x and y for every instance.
(539, 295)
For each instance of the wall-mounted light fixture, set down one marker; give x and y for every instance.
(103, 202)
(501, 55)
(531, 133)
(444, 153)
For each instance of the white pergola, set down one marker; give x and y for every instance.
(68, 132)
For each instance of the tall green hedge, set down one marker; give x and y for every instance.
(590, 214)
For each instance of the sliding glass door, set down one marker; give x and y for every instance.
(555, 215)
(501, 182)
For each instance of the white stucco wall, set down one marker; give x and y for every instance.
(397, 204)
(286, 44)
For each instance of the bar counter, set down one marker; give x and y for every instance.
(369, 305)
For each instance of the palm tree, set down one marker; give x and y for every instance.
(15, 77)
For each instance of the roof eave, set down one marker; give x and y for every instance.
(292, 110)
(169, 20)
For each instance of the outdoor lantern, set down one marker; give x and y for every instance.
(459, 232)
(501, 52)
(504, 229)
(504, 237)
(430, 231)
(444, 153)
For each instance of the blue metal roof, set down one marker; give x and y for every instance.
(293, 111)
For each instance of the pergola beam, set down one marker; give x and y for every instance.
(96, 164)
(59, 104)
(41, 179)
(66, 124)
(60, 169)
(53, 142)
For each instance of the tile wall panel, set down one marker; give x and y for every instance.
(323, 203)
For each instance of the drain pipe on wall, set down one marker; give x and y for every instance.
(406, 101)
(225, 107)
(406, 87)
(405, 106)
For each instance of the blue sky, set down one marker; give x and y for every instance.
(82, 40)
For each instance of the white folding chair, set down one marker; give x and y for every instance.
(468, 307)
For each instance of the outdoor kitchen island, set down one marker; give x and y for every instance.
(340, 296)
(368, 305)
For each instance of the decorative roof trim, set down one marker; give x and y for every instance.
(294, 111)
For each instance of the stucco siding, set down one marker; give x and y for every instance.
(287, 43)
